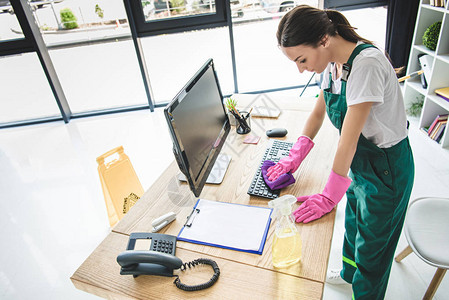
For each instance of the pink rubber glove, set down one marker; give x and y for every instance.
(295, 157)
(316, 206)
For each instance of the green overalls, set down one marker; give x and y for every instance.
(382, 180)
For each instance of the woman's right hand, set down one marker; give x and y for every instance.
(282, 167)
(295, 157)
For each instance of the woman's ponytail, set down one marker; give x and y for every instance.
(343, 27)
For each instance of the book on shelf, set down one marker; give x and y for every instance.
(435, 122)
(443, 93)
(438, 3)
(425, 129)
(438, 128)
(440, 133)
(435, 130)
(432, 133)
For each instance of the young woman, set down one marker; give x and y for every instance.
(361, 96)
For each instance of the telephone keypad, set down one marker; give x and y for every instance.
(163, 243)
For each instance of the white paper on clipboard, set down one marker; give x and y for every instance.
(227, 225)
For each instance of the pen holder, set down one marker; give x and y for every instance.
(232, 119)
(244, 122)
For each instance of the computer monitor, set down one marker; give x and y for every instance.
(198, 126)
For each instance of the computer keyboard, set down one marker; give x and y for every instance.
(275, 151)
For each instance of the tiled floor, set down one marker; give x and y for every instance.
(53, 212)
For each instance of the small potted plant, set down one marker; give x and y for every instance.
(415, 107)
(231, 104)
(431, 35)
(238, 118)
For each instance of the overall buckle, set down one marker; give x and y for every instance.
(346, 70)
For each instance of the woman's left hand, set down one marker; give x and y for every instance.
(316, 206)
(312, 208)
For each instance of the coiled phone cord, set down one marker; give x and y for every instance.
(202, 286)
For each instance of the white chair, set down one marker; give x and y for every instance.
(427, 231)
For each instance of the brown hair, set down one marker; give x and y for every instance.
(306, 25)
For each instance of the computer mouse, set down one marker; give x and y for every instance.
(277, 132)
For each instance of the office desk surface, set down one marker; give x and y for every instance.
(168, 194)
(100, 275)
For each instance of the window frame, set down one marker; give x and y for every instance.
(19, 45)
(177, 24)
(353, 4)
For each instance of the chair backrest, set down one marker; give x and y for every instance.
(119, 182)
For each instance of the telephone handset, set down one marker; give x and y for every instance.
(144, 262)
(159, 259)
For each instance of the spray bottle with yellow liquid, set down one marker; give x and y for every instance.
(287, 245)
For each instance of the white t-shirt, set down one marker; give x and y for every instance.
(372, 79)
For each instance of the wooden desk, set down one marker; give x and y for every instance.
(242, 274)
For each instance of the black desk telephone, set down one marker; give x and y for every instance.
(160, 260)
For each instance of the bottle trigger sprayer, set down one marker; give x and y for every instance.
(287, 245)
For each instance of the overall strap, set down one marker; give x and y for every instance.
(330, 81)
(357, 50)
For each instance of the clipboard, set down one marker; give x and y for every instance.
(227, 225)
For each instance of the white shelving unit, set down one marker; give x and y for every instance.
(433, 104)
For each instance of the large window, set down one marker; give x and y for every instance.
(106, 62)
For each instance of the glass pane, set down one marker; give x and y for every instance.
(95, 76)
(100, 76)
(26, 93)
(261, 65)
(166, 9)
(9, 25)
(370, 23)
(173, 59)
(280, 7)
(73, 21)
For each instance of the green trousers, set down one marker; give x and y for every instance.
(377, 202)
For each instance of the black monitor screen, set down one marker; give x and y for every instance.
(198, 125)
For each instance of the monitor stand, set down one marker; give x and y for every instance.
(218, 170)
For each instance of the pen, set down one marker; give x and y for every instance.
(411, 75)
(236, 111)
